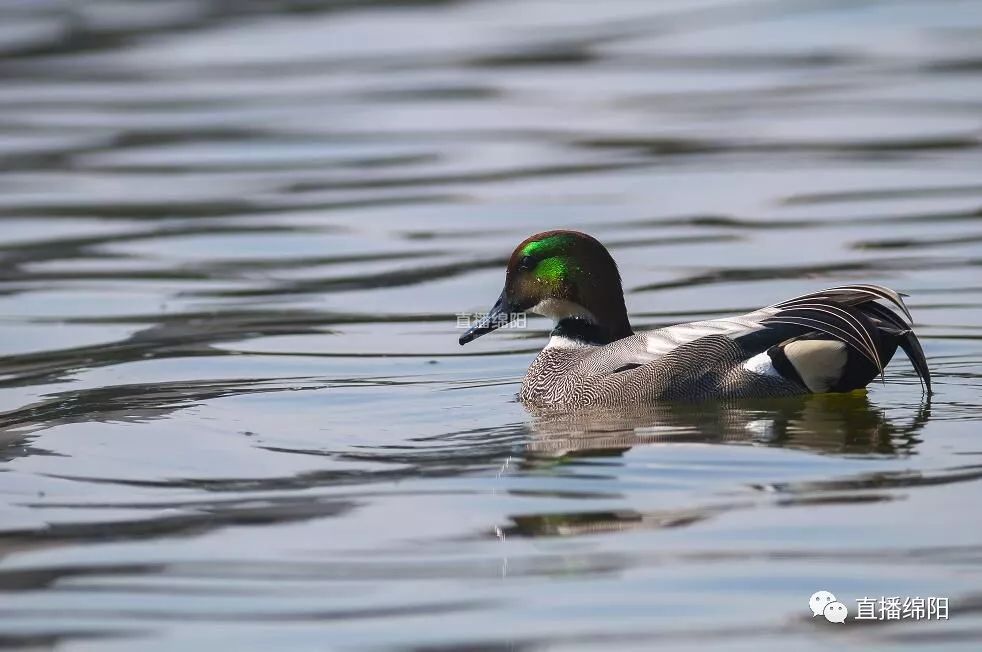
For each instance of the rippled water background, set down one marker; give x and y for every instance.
(234, 239)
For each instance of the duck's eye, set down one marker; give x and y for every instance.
(526, 263)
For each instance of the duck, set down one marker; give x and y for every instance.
(833, 340)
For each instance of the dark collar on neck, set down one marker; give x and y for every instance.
(581, 330)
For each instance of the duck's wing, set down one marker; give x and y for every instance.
(847, 314)
(662, 341)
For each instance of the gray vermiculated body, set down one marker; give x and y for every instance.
(690, 362)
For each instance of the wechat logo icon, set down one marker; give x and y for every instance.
(823, 603)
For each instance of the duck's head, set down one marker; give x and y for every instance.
(568, 276)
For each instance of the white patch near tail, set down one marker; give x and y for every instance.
(820, 363)
(761, 364)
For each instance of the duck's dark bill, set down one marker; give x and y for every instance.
(499, 315)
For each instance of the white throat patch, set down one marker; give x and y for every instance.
(558, 309)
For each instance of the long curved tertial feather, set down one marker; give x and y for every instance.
(885, 315)
(850, 313)
(841, 322)
(852, 295)
(912, 347)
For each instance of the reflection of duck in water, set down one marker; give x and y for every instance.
(835, 340)
(829, 423)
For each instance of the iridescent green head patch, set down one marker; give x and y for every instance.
(550, 259)
(552, 269)
(551, 245)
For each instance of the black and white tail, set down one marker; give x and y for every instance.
(840, 339)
